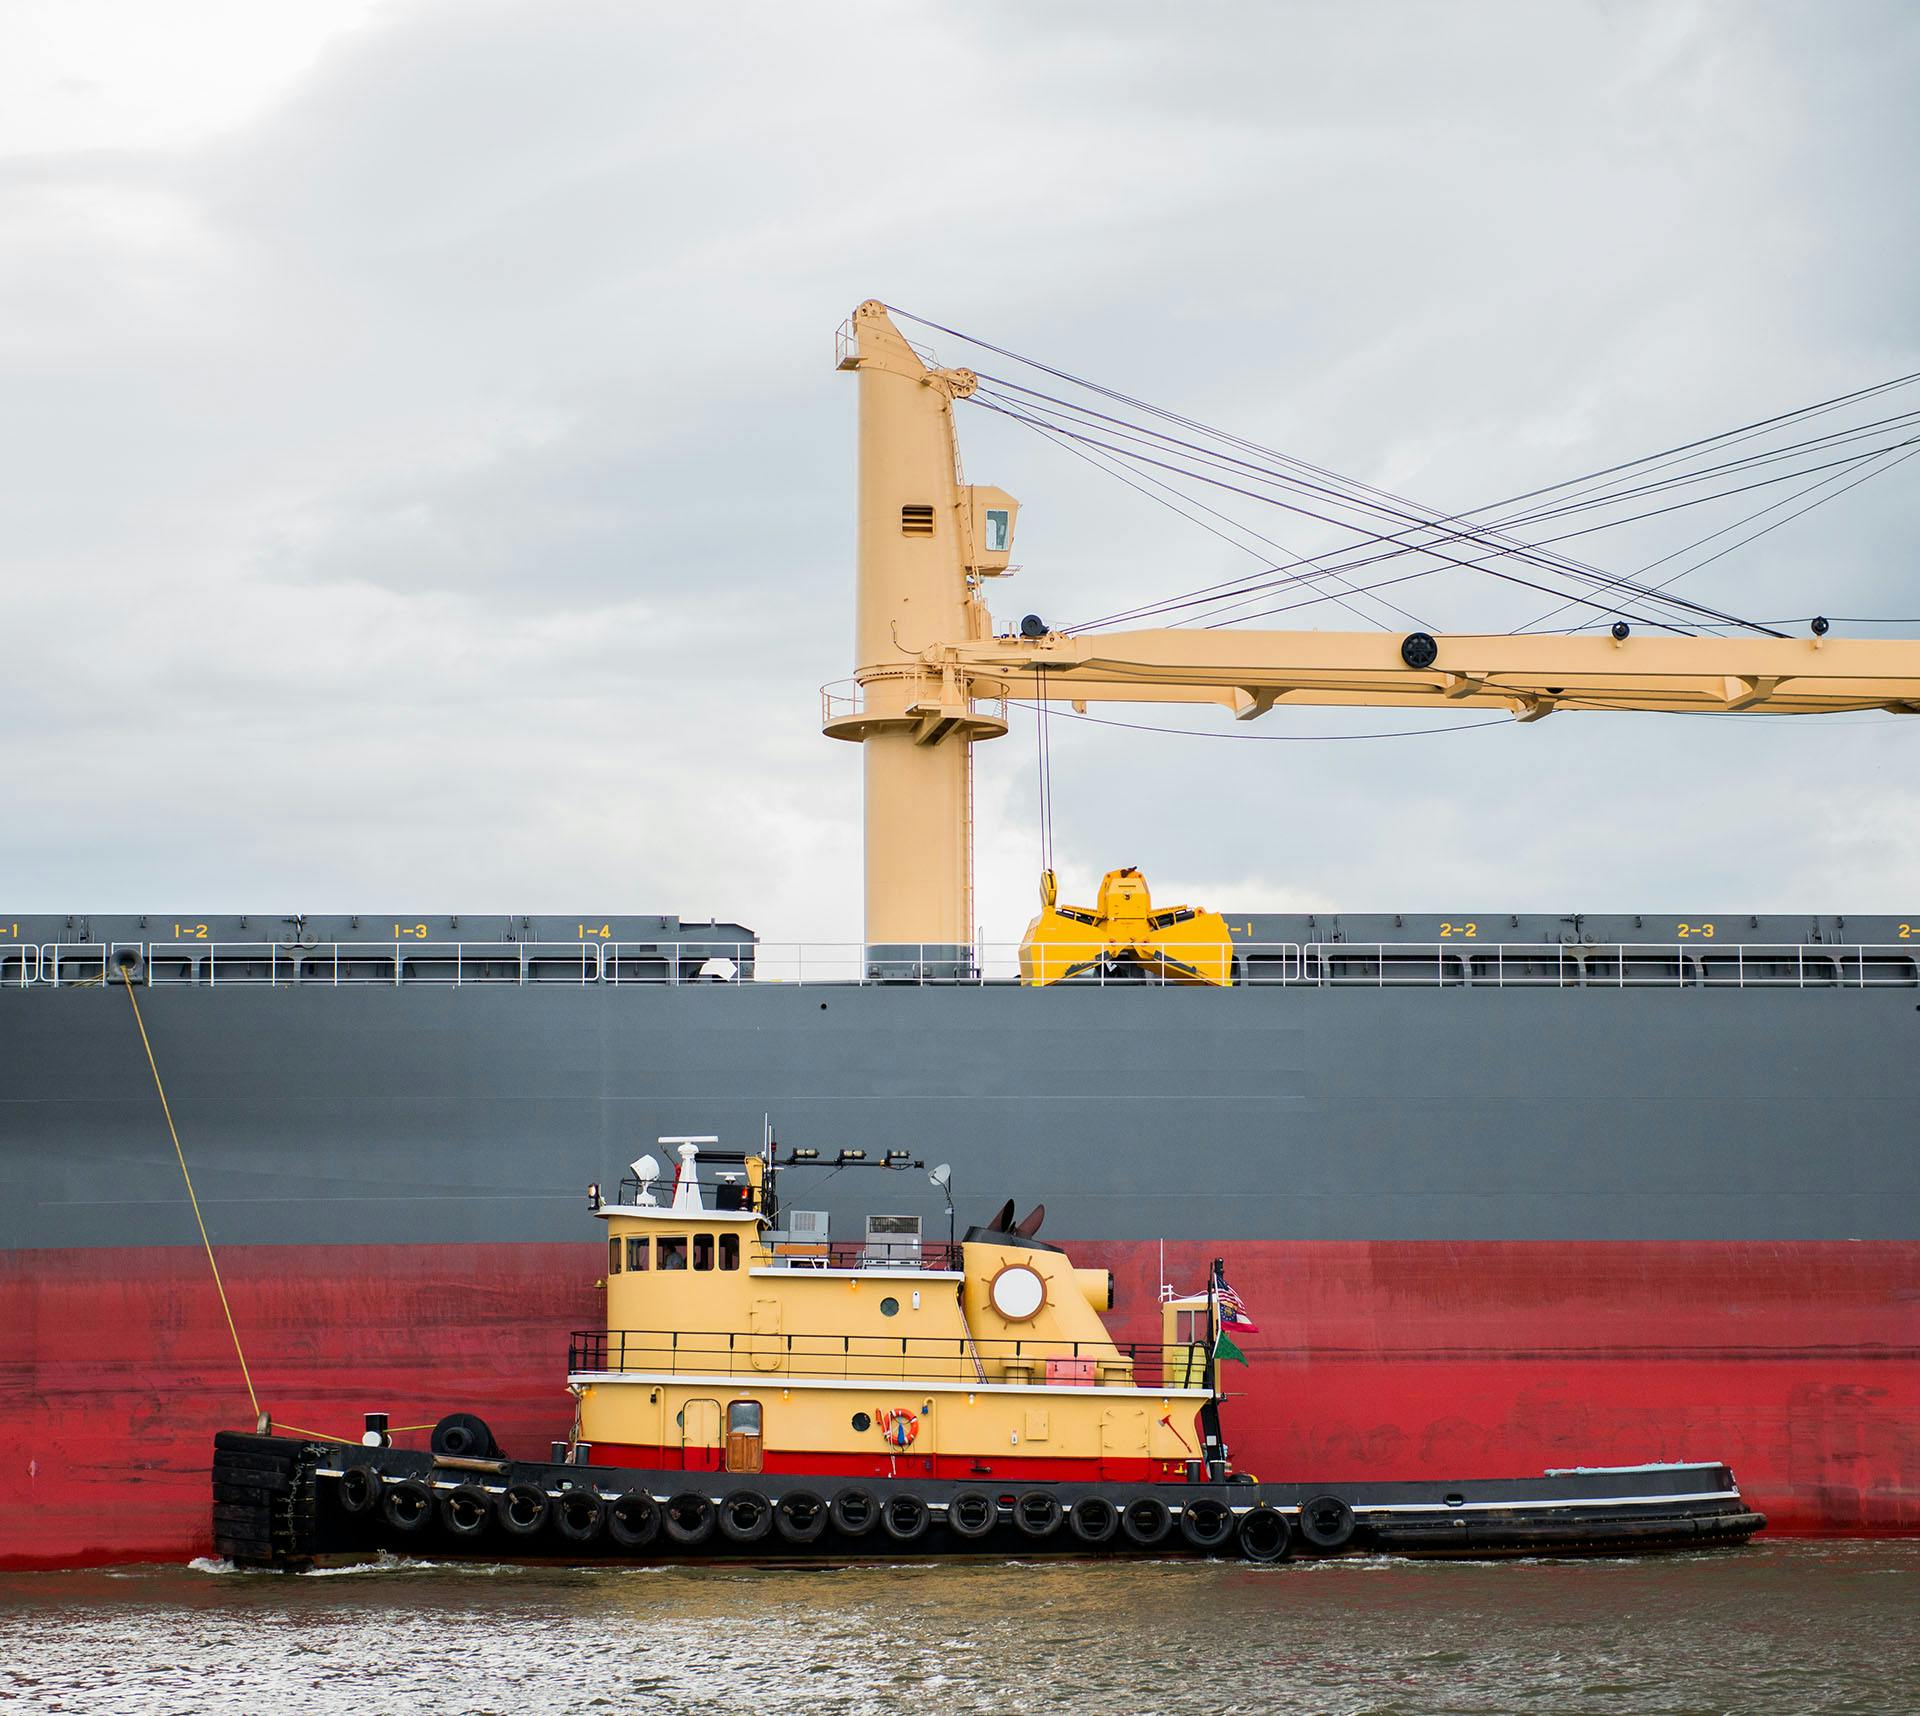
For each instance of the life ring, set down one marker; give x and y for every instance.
(524, 1509)
(1206, 1522)
(1326, 1522)
(1145, 1520)
(466, 1511)
(855, 1512)
(898, 1426)
(1037, 1513)
(1265, 1534)
(408, 1505)
(359, 1489)
(689, 1517)
(634, 1520)
(463, 1436)
(800, 1516)
(903, 1518)
(580, 1514)
(1094, 1519)
(972, 1513)
(745, 1517)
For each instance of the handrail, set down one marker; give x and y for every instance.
(1455, 964)
(924, 1358)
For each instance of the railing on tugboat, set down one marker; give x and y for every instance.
(887, 1358)
(1256, 965)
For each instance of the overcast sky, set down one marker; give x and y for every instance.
(427, 486)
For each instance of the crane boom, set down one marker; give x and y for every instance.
(930, 667)
(1251, 672)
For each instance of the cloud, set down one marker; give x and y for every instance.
(428, 481)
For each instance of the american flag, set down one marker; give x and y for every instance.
(1233, 1311)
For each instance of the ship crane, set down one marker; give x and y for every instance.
(932, 673)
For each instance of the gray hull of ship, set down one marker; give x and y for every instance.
(410, 1115)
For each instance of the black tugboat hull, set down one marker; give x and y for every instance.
(284, 1503)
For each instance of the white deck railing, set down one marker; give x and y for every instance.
(1315, 965)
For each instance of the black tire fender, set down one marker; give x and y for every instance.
(855, 1512)
(903, 1517)
(633, 1520)
(746, 1516)
(800, 1516)
(1145, 1520)
(464, 1436)
(1264, 1534)
(408, 1505)
(1037, 1513)
(1093, 1519)
(972, 1513)
(524, 1509)
(1206, 1522)
(688, 1517)
(466, 1511)
(360, 1489)
(581, 1515)
(1326, 1522)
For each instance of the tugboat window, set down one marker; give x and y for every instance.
(862, 1422)
(613, 1257)
(673, 1251)
(639, 1253)
(889, 1307)
(729, 1251)
(743, 1418)
(703, 1251)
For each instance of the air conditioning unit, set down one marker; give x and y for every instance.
(893, 1239)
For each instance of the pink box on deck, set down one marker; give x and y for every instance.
(1070, 1372)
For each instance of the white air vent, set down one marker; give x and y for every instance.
(807, 1224)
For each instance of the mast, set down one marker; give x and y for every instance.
(925, 541)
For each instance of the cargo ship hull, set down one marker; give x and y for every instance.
(1484, 1230)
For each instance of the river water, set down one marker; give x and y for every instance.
(1778, 1628)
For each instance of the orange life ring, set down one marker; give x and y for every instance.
(899, 1426)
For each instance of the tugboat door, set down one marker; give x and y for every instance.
(743, 1436)
(700, 1445)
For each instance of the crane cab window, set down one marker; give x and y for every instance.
(639, 1252)
(703, 1251)
(729, 1251)
(997, 531)
(613, 1256)
(673, 1251)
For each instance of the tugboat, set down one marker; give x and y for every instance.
(760, 1391)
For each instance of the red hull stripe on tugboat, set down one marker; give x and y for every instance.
(1013, 1469)
(1792, 1361)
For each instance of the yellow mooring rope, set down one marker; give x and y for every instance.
(181, 1156)
(219, 1286)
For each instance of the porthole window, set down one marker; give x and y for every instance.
(862, 1422)
(889, 1307)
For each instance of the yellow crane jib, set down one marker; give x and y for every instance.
(1123, 936)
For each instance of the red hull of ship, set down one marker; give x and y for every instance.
(1793, 1361)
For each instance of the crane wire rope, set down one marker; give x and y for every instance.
(1111, 469)
(1653, 461)
(1074, 426)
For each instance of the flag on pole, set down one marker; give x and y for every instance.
(1233, 1311)
(1223, 1349)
